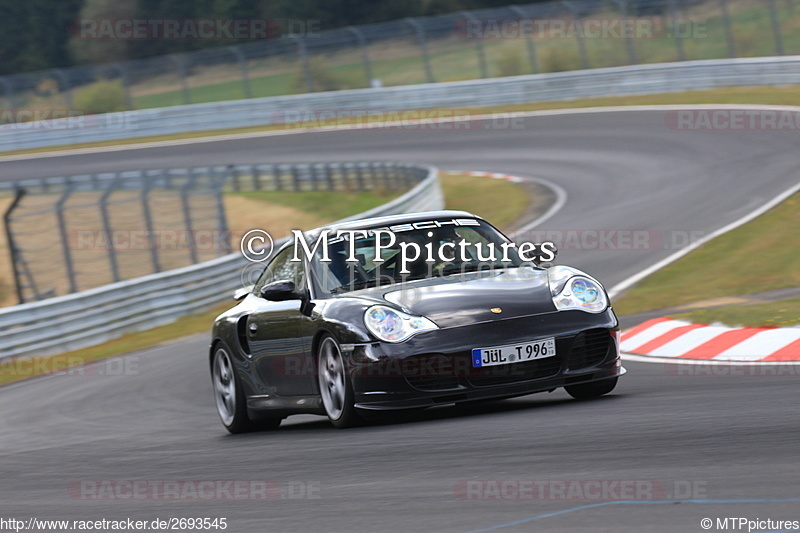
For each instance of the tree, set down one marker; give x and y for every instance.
(85, 49)
(35, 33)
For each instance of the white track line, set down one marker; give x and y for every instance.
(561, 200)
(619, 287)
(558, 190)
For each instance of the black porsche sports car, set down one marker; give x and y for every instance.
(404, 312)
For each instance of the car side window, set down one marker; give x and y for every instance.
(282, 268)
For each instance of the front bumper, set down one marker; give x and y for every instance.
(435, 367)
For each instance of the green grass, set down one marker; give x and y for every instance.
(759, 256)
(324, 204)
(449, 65)
(275, 85)
(785, 313)
(498, 201)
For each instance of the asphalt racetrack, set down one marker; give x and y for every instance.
(673, 444)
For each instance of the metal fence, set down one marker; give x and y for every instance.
(381, 106)
(90, 317)
(513, 40)
(68, 234)
(74, 233)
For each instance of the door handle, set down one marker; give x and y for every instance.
(253, 328)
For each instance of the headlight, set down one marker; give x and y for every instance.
(395, 326)
(572, 289)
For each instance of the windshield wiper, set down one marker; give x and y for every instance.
(356, 285)
(463, 268)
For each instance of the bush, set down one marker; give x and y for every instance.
(104, 96)
(745, 44)
(510, 64)
(560, 59)
(322, 79)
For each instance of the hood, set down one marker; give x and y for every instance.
(470, 298)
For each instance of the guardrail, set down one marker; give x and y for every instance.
(82, 319)
(291, 111)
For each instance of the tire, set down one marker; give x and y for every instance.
(335, 388)
(587, 391)
(229, 398)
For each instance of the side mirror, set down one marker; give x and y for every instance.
(280, 291)
(242, 292)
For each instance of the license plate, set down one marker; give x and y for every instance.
(514, 353)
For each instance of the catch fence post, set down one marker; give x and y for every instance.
(676, 30)
(19, 193)
(423, 46)
(112, 253)
(726, 21)
(182, 74)
(187, 214)
(528, 40)
(222, 221)
(362, 44)
(67, 87)
(242, 62)
(64, 235)
(8, 90)
(623, 9)
(776, 27)
(302, 53)
(126, 84)
(148, 221)
(478, 45)
(579, 35)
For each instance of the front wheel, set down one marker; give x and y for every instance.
(588, 391)
(229, 397)
(334, 385)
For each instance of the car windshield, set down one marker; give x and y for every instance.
(405, 252)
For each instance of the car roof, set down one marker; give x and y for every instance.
(405, 218)
(377, 222)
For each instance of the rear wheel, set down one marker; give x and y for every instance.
(587, 391)
(229, 397)
(334, 385)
